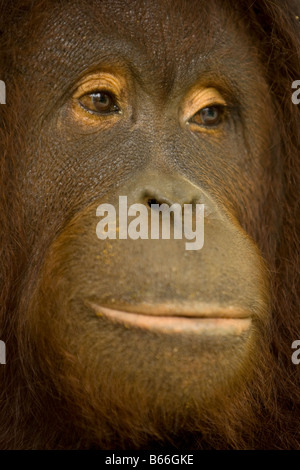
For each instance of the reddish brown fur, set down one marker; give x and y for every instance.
(266, 413)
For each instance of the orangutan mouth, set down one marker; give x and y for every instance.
(169, 318)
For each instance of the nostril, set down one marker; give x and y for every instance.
(150, 198)
(151, 201)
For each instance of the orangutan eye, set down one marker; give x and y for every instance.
(210, 116)
(99, 102)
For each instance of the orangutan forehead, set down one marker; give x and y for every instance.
(166, 40)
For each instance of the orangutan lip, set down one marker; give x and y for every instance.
(167, 318)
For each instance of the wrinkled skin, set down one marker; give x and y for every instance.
(190, 321)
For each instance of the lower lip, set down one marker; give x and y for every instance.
(176, 324)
